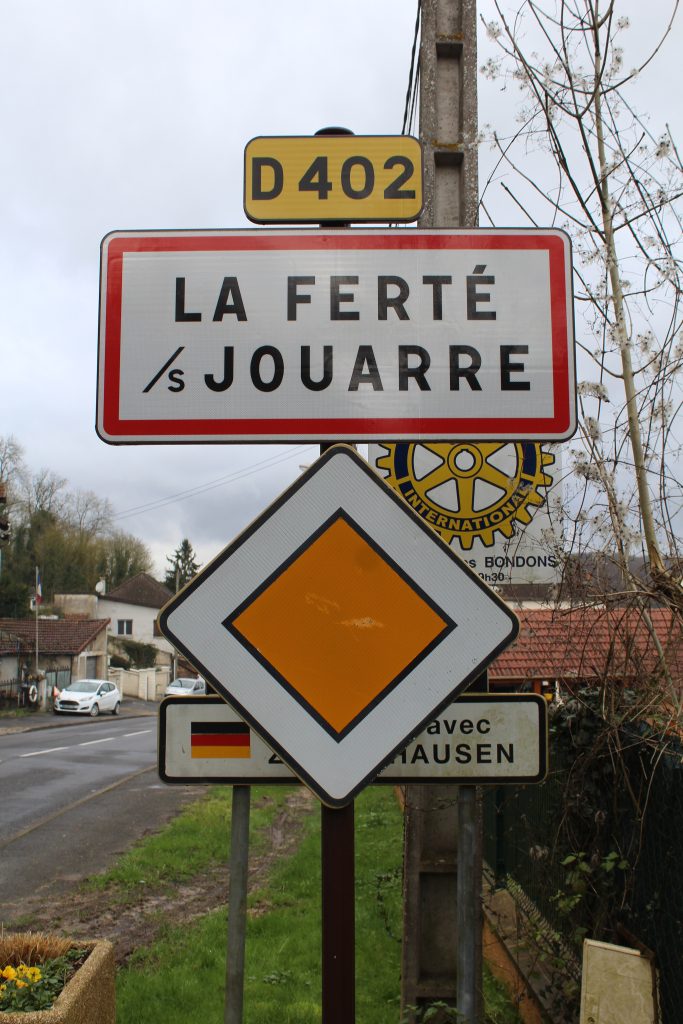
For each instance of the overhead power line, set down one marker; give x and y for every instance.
(413, 79)
(192, 492)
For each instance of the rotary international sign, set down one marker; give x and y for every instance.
(498, 504)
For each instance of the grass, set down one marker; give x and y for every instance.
(283, 942)
(283, 951)
(9, 712)
(181, 978)
(193, 842)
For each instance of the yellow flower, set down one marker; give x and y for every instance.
(9, 973)
(33, 973)
(20, 984)
(2, 987)
(22, 970)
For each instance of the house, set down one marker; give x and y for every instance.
(575, 645)
(67, 648)
(132, 609)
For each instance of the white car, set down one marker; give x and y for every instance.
(186, 687)
(89, 697)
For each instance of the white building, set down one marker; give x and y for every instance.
(131, 608)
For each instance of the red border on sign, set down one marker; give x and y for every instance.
(559, 426)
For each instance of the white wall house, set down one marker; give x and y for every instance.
(132, 609)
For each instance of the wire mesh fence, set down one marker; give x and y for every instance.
(624, 884)
(657, 901)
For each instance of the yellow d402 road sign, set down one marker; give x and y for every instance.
(302, 180)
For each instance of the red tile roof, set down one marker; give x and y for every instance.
(588, 644)
(564, 644)
(55, 636)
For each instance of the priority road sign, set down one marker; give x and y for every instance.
(364, 334)
(338, 625)
(298, 179)
(479, 739)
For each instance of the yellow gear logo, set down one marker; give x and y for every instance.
(470, 490)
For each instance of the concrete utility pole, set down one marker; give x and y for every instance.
(448, 132)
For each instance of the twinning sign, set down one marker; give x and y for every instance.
(362, 334)
(480, 739)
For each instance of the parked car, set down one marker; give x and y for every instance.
(186, 687)
(89, 697)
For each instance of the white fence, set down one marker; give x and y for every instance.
(143, 683)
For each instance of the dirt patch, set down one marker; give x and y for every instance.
(87, 914)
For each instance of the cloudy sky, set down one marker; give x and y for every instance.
(135, 115)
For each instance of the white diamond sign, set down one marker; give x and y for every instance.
(338, 625)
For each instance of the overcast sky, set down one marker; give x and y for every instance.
(135, 115)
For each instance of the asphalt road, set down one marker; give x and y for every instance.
(73, 798)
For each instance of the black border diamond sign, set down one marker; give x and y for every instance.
(458, 626)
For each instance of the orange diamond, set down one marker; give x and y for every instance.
(339, 625)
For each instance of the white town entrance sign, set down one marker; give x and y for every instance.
(338, 625)
(316, 334)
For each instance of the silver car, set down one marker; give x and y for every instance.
(186, 687)
(88, 697)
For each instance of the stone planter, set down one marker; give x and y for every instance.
(88, 998)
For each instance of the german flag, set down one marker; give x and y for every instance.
(220, 739)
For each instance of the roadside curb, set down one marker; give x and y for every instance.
(34, 727)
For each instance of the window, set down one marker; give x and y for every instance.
(124, 627)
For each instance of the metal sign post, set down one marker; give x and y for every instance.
(467, 900)
(237, 904)
(338, 915)
(338, 908)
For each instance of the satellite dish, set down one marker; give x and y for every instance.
(100, 586)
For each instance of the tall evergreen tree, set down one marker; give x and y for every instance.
(182, 566)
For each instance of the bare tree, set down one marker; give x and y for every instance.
(616, 187)
(69, 534)
(583, 158)
(122, 556)
(88, 513)
(42, 492)
(11, 458)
